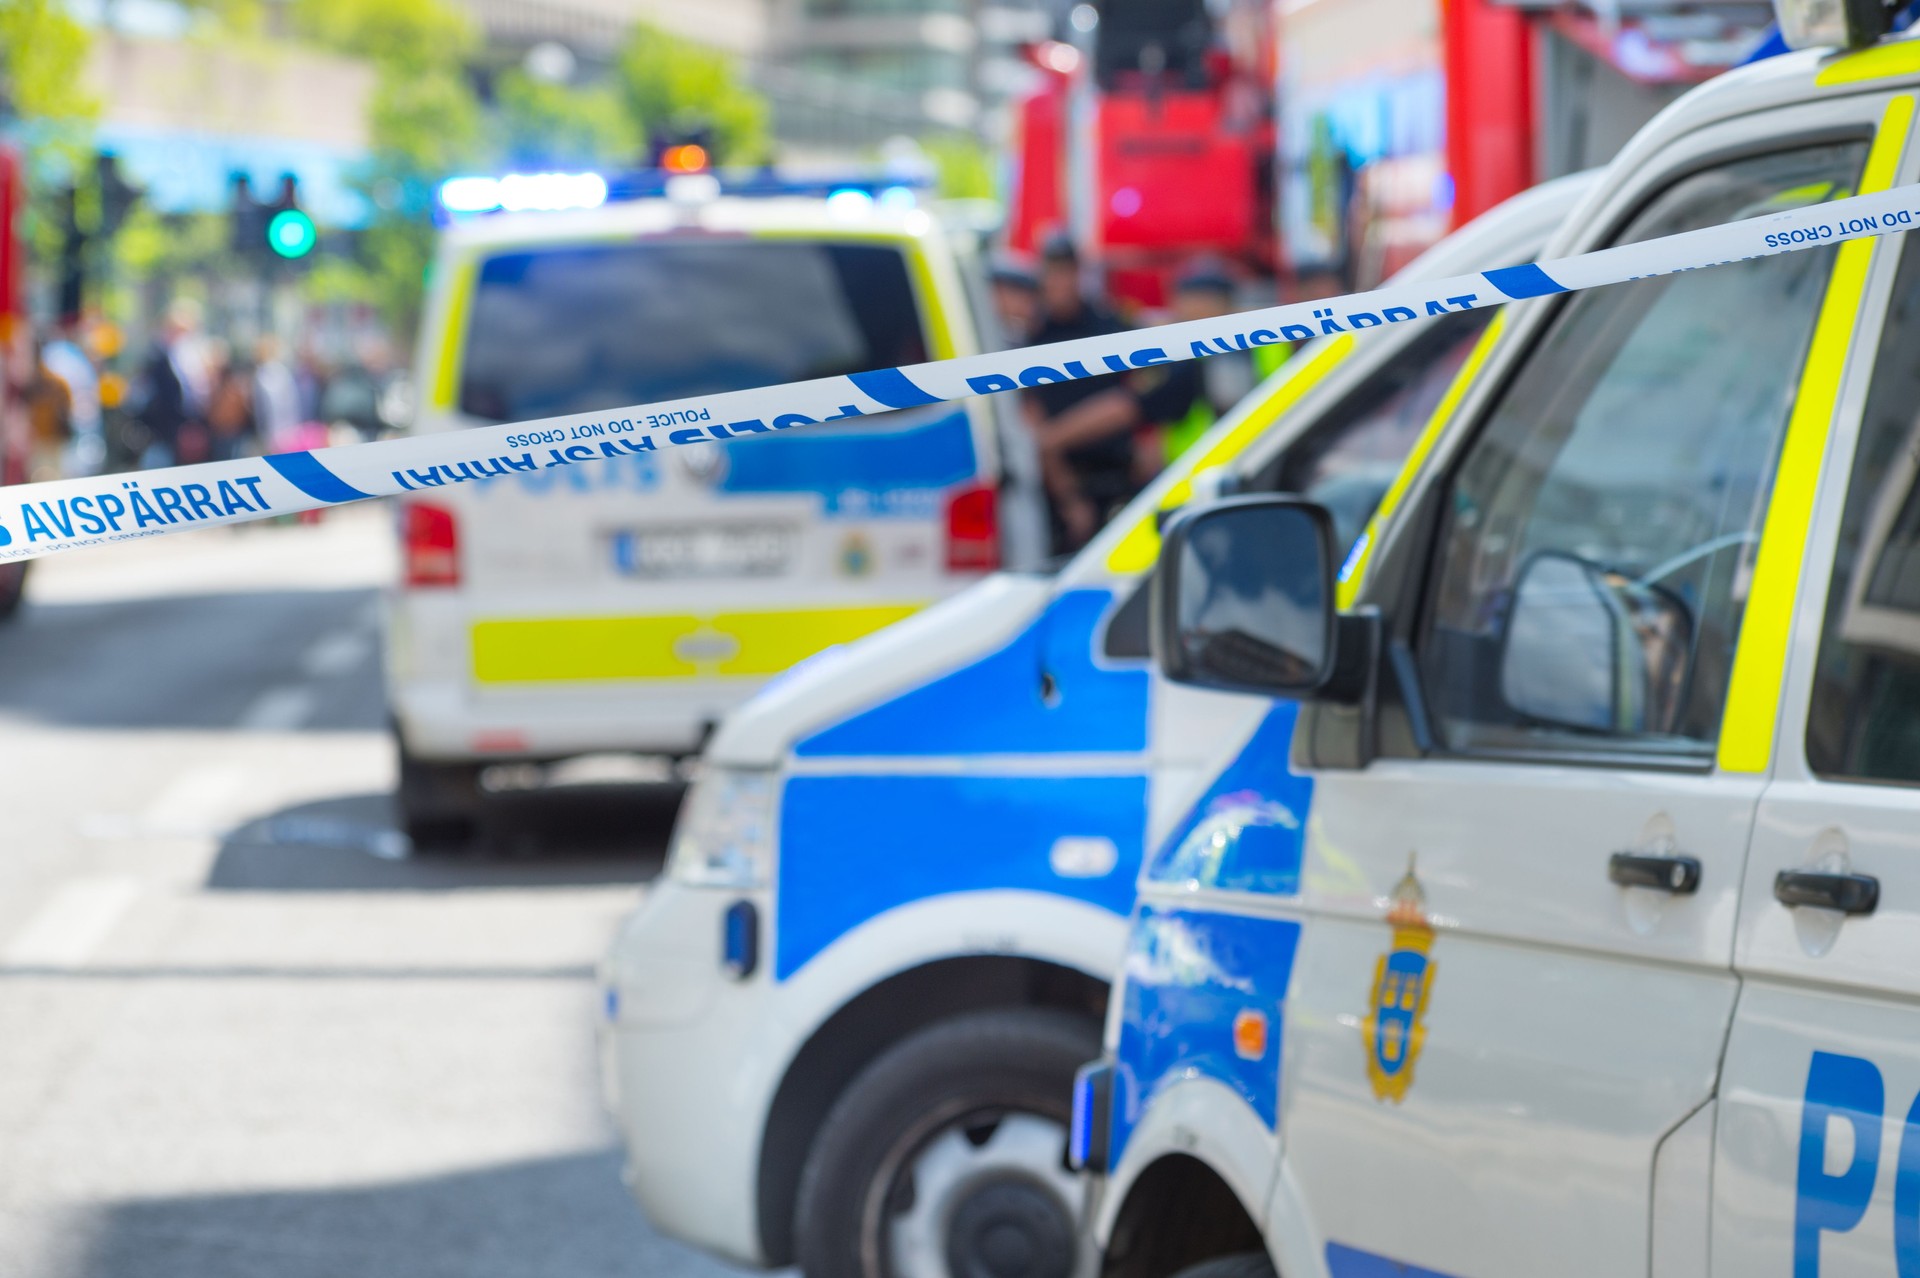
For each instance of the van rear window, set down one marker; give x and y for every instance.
(578, 329)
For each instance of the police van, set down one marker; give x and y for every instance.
(1573, 929)
(627, 606)
(843, 1028)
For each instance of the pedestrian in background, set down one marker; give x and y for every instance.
(172, 405)
(276, 398)
(310, 375)
(49, 418)
(67, 358)
(232, 427)
(1085, 483)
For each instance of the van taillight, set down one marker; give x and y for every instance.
(432, 546)
(973, 530)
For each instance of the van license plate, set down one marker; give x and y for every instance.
(658, 553)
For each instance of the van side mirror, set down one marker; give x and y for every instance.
(1592, 650)
(1243, 597)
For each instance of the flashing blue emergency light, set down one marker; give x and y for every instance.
(470, 194)
(849, 200)
(523, 192)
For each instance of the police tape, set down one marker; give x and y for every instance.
(38, 519)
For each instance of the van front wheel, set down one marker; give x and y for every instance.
(439, 803)
(946, 1157)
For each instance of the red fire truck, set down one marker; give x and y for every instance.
(1150, 140)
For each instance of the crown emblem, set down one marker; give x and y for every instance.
(1407, 907)
(1395, 1028)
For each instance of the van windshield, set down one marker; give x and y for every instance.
(578, 329)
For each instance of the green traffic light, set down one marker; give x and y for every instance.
(291, 233)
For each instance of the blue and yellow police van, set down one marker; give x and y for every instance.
(1574, 927)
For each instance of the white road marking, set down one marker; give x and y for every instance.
(198, 801)
(71, 925)
(336, 654)
(279, 709)
(202, 803)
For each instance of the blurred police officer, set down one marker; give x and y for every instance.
(1016, 299)
(1087, 481)
(1158, 413)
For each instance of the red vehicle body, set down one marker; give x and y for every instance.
(16, 354)
(1153, 150)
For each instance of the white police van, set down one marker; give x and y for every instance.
(627, 606)
(842, 1030)
(1581, 934)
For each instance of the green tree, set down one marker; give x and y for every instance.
(671, 85)
(422, 38)
(556, 126)
(161, 255)
(43, 58)
(424, 122)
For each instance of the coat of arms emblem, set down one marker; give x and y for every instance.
(1395, 1027)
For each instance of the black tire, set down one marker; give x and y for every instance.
(1248, 1264)
(439, 803)
(965, 1072)
(13, 587)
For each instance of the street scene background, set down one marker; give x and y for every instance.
(257, 1014)
(245, 1033)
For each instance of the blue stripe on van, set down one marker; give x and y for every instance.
(995, 706)
(935, 454)
(1351, 1262)
(1247, 832)
(1190, 974)
(870, 844)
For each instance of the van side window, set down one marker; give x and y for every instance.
(1599, 535)
(1348, 461)
(1350, 458)
(1864, 723)
(585, 327)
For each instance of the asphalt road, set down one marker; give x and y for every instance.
(242, 1032)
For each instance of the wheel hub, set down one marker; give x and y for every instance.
(1010, 1228)
(988, 1199)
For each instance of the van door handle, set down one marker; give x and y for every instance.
(1679, 875)
(1847, 893)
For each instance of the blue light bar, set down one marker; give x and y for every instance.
(523, 192)
(889, 192)
(469, 196)
(850, 200)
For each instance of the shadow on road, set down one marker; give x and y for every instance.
(564, 1217)
(568, 835)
